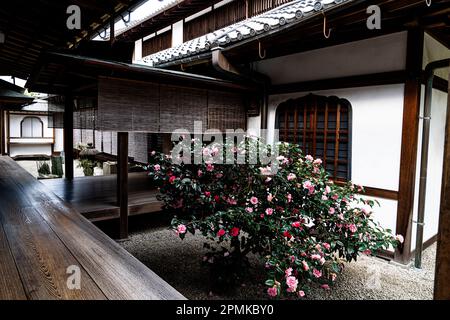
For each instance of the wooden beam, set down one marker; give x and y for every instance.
(68, 137)
(122, 182)
(442, 277)
(375, 79)
(410, 130)
(2, 132)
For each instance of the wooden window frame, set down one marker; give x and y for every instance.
(301, 103)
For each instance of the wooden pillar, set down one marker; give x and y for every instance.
(410, 132)
(122, 182)
(442, 277)
(2, 132)
(68, 137)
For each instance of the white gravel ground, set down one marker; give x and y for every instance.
(178, 262)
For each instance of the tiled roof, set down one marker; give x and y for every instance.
(274, 20)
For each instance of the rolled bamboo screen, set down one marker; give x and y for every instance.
(134, 106)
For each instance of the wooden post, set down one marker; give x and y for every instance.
(68, 137)
(2, 132)
(410, 132)
(442, 277)
(122, 182)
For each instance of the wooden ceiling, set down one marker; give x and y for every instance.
(33, 26)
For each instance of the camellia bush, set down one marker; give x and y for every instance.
(292, 215)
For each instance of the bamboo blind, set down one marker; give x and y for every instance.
(322, 128)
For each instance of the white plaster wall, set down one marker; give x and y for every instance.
(177, 33)
(381, 54)
(16, 119)
(137, 54)
(433, 50)
(435, 165)
(21, 146)
(59, 140)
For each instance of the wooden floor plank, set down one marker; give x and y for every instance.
(95, 197)
(11, 287)
(45, 235)
(40, 256)
(105, 259)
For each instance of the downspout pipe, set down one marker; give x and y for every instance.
(429, 76)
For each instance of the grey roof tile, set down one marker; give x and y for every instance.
(275, 19)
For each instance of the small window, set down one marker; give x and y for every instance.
(322, 128)
(32, 127)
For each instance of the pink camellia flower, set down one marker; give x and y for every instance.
(232, 201)
(292, 283)
(293, 259)
(269, 211)
(366, 209)
(326, 245)
(327, 189)
(324, 198)
(181, 229)
(249, 209)
(331, 210)
(157, 167)
(207, 193)
(305, 265)
(269, 197)
(153, 153)
(254, 200)
(301, 293)
(291, 177)
(221, 233)
(317, 162)
(262, 215)
(214, 151)
(367, 252)
(308, 185)
(352, 227)
(288, 272)
(317, 273)
(309, 158)
(234, 232)
(289, 197)
(296, 224)
(399, 238)
(172, 179)
(272, 292)
(199, 173)
(205, 152)
(316, 256)
(335, 197)
(325, 287)
(209, 167)
(219, 175)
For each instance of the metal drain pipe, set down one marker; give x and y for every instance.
(429, 74)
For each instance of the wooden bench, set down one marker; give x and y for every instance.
(41, 236)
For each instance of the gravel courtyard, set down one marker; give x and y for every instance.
(179, 263)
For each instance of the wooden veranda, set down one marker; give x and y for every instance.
(42, 238)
